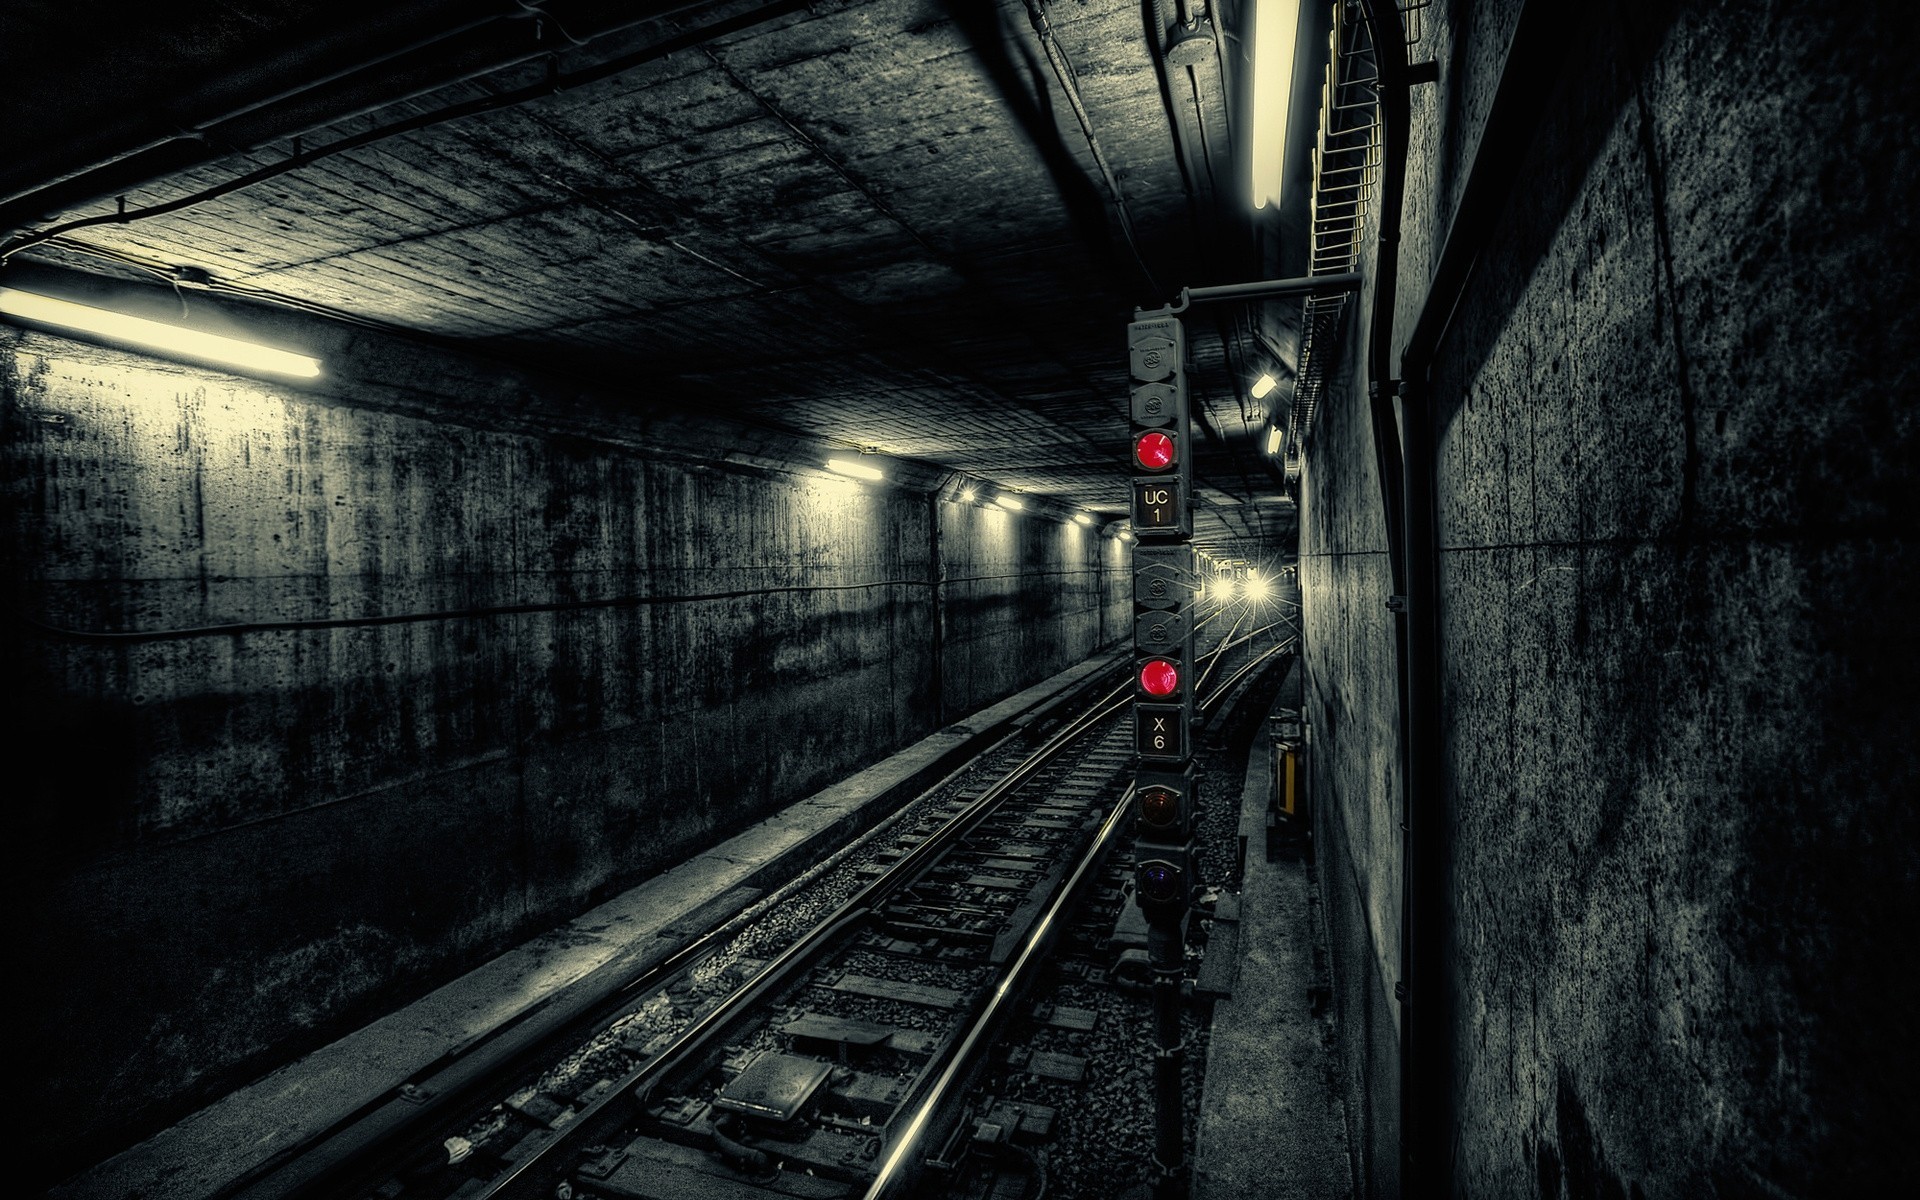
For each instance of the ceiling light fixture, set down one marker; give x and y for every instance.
(155, 335)
(1263, 385)
(969, 495)
(1011, 503)
(1276, 24)
(1273, 440)
(859, 470)
(1082, 519)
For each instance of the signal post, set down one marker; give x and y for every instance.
(1165, 789)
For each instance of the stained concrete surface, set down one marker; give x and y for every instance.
(246, 1129)
(277, 832)
(1273, 1122)
(1676, 440)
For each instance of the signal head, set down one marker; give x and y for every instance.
(1155, 450)
(1159, 677)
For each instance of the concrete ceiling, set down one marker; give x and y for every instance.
(914, 225)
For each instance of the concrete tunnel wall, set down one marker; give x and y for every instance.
(1676, 452)
(230, 847)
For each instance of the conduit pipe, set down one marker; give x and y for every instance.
(1405, 447)
(1422, 1068)
(466, 52)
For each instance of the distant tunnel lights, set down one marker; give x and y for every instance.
(156, 335)
(858, 470)
(1263, 385)
(1275, 25)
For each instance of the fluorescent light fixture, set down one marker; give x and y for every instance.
(1273, 440)
(1082, 519)
(156, 335)
(1276, 23)
(859, 470)
(1261, 386)
(1011, 503)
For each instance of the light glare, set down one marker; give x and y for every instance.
(156, 335)
(1263, 385)
(1275, 25)
(859, 470)
(1257, 588)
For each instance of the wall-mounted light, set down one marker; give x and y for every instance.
(858, 470)
(1263, 386)
(1082, 519)
(1011, 503)
(175, 340)
(1273, 440)
(969, 494)
(1276, 23)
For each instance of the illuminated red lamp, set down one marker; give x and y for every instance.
(1153, 450)
(1159, 677)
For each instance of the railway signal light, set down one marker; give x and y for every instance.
(1160, 884)
(1159, 677)
(1161, 430)
(1155, 450)
(1164, 803)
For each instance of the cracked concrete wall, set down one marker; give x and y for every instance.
(1676, 445)
(233, 846)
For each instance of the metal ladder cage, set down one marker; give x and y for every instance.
(1346, 170)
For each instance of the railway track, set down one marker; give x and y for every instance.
(828, 1042)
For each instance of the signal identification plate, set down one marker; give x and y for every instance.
(1158, 504)
(1160, 730)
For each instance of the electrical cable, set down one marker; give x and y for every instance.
(1070, 84)
(553, 83)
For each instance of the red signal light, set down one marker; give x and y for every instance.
(1158, 806)
(1159, 677)
(1153, 450)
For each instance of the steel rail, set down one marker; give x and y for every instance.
(895, 1171)
(459, 1080)
(638, 1085)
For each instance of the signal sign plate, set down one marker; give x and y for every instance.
(1160, 632)
(1158, 504)
(1160, 731)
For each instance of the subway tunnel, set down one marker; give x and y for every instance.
(509, 506)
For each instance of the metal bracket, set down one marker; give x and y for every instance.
(1302, 285)
(1397, 603)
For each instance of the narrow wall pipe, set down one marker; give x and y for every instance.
(1528, 77)
(1423, 1090)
